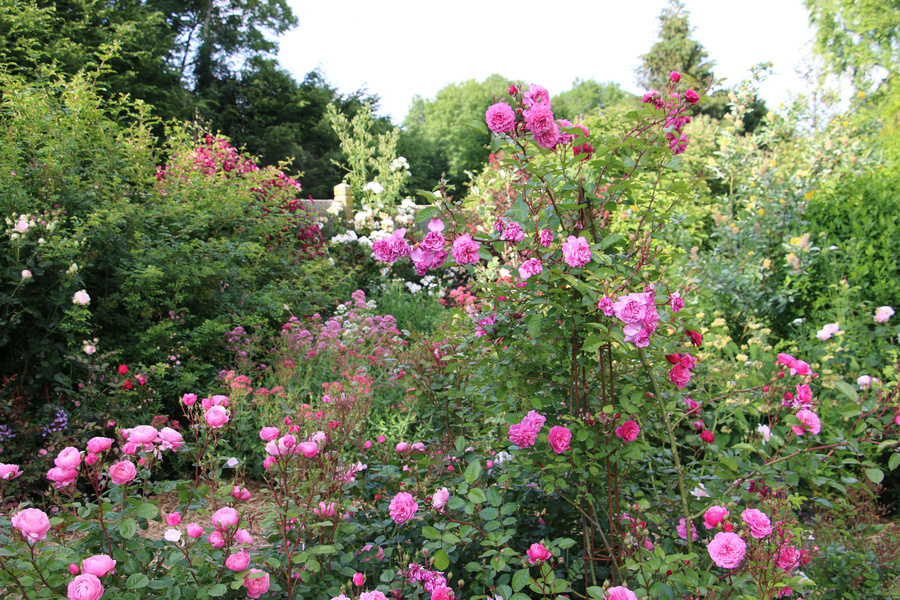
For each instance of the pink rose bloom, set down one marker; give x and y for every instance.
(91, 459)
(9, 472)
(440, 499)
(727, 550)
(675, 302)
(225, 518)
(512, 233)
(373, 595)
(194, 531)
(788, 558)
(619, 593)
(883, 313)
(714, 515)
(523, 434)
(68, 458)
(759, 523)
(173, 519)
(268, 434)
(142, 434)
(96, 445)
(403, 507)
(606, 305)
(536, 94)
(402, 447)
(189, 399)
(537, 553)
(692, 97)
(675, 76)
(500, 118)
(680, 376)
(827, 331)
(628, 431)
(392, 248)
(576, 252)
(545, 238)
(62, 477)
(32, 523)
(256, 586)
(359, 579)
(219, 400)
(559, 438)
(681, 529)
(325, 509)
(442, 593)
(530, 267)
(539, 119)
(169, 439)
(269, 462)
(241, 493)
(238, 561)
(864, 381)
(216, 416)
(632, 309)
(804, 395)
(216, 539)
(242, 537)
(308, 449)
(810, 422)
(85, 587)
(122, 472)
(465, 250)
(99, 565)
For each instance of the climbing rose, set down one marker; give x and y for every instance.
(628, 431)
(559, 438)
(465, 250)
(759, 523)
(727, 550)
(810, 422)
(403, 507)
(576, 252)
(500, 118)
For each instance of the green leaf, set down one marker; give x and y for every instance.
(431, 533)
(893, 461)
(520, 579)
(127, 528)
(136, 581)
(848, 390)
(323, 550)
(426, 214)
(473, 471)
(220, 589)
(147, 511)
(850, 410)
(534, 324)
(875, 475)
(441, 561)
(477, 496)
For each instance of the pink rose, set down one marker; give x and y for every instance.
(707, 436)
(523, 434)
(681, 529)
(512, 233)
(403, 507)
(169, 439)
(216, 539)
(500, 118)
(559, 438)
(810, 422)
(242, 537)
(465, 250)
(237, 561)
(68, 458)
(225, 518)
(142, 434)
(628, 431)
(392, 248)
(440, 499)
(256, 584)
(268, 434)
(62, 477)
(189, 399)
(325, 510)
(619, 593)
(359, 579)
(194, 531)
(788, 558)
(241, 493)
(216, 416)
(545, 238)
(85, 587)
(576, 252)
(675, 76)
(883, 313)
(442, 593)
(373, 595)
(759, 523)
(269, 462)
(536, 94)
(530, 267)
(680, 375)
(692, 97)
(122, 472)
(537, 553)
(308, 449)
(97, 445)
(676, 303)
(714, 515)
(173, 519)
(727, 550)
(9, 471)
(32, 523)
(606, 305)
(99, 565)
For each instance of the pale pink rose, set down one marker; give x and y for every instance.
(9, 471)
(811, 423)
(308, 449)
(237, 561)
(268, 434)
(827, 331)
(538, 553)
(440, 499)
(883, 313)
(326, 510)
(81, 298)
(320, 438)
(242, 537)
(727, 550)
(606, 305)
(500, 118)
(32, 523)
(403, 507)
(194, 531)
(122, 472)
(99, 565)
(864, 381)
(169, 439)
(759, 523)
(225, 518)
(216, 416)
(142, 434)
(714, 515)
(576, 252)
(130, 448)
(68, 458)
(788, 558)
(172, 535)
(465, 250)
(241, 493)
(559, 438)
(85, 587)
(173, 519)
(219, 400)
(373, 595)
(676, 303)
(256, 586)
(619, 593)
(402, 447)
(97, 445)
(62, 477)
(628, 431)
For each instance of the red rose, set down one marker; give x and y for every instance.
(692, 96)
(707, 436)
(128, 385)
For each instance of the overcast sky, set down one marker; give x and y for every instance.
(401, 48)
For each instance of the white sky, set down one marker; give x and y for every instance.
(402, 48)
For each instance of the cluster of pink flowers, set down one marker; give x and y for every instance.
(465, 250)
(524, 434)
(619, 593)
(680, 373)
(434, 582)
(809, 421)
(638, 312)
(393, 248)
(576, 252)
(530, 267)
(827, 331)
(676, 118)
(430, 253)
(883, 313)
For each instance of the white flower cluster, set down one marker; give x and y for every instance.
(336, 207)
(374, 187)
(19, 226)
(400, 163)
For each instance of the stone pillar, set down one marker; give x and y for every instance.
(343, 193)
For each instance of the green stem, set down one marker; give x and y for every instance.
(674, 444)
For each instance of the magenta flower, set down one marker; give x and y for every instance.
(122, 472)
(99, 565)
(811, 423)
(714, 515)
(536, 94)
(727, 550)
(619, 593)
(256, 585)
(32, 523)
(403, 507)
(216, 416)
(530, 267)
(465, 250)
(545, 237)
(439, 501)
(576, 252)
(392, 248)
(628, 431)
(537, 553)
(559, 438)
(681, 529)
(85, 587)
(500, 117)
(512, 233)
(759, 523)
(225, 518)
